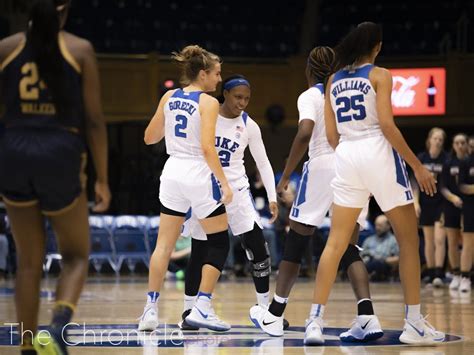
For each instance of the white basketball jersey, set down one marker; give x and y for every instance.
(311, 106)
(183, 125)
(232, 138)
(353, 101)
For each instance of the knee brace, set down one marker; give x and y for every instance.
(256, 249)
(351, 255)
(295, 247)
(217, 249)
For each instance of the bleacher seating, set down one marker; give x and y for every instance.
(131, 239)
(410, 27)
(260, 29)
(230, 29)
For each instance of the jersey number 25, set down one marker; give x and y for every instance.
(355, 103)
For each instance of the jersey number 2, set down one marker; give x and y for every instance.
(224, 157)
(345, 104)
(30, 83)
(181, 124)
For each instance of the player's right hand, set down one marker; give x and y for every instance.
(456, 201)
(102, 197)
(227, 194)
(426, 181)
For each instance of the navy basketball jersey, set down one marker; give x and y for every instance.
(466, 175)
(450, 175)
(435, 167)
(26, 96)
(353, 101)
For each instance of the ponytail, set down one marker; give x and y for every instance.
(358, 43)
(43, 31)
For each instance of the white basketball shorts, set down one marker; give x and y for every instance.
(315, 195)
(189, 183)
(370, 166)
(241, 214)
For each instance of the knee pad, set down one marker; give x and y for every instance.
(218, 246)
(256, 249)
(350, 256)
(295, 247)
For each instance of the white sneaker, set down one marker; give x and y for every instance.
(364, 328)
(420, 332)
(313, 334)
(149, 318)
(455, 282)
(206, 318)
(263, 319)
(438, 282)
(465, 285)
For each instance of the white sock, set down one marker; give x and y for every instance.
(263, 298)
(317, 310)
(152, 298)
(189, 302)
(282, 300)
(203, 301)
(412, 312)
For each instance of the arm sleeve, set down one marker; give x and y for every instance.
(257, 149)
(307, 108)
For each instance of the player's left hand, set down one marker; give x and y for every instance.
(274, 211)
(282, 185)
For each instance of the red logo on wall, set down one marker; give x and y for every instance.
(419, 91)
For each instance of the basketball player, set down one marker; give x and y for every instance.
(369, 151)
(186, 118)
(235, 131)
(311, 205)
(50, 87)
(452, 205)
(430, 208)
(466, 187)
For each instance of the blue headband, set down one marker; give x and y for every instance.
(235, 82)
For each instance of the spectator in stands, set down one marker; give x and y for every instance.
(452, 204)
(380, 251)
(3, 249)
(466, 186)
(429, 208)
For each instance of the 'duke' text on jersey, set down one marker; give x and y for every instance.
(226, 143)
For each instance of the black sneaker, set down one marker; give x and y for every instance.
(183, 325)
(286, 324)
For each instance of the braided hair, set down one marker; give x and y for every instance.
(320, 65)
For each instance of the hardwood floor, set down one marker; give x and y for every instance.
(109, 307)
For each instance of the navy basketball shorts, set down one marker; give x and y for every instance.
(452, 215)
(42, 166)
(468, 214)
(430, 214)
